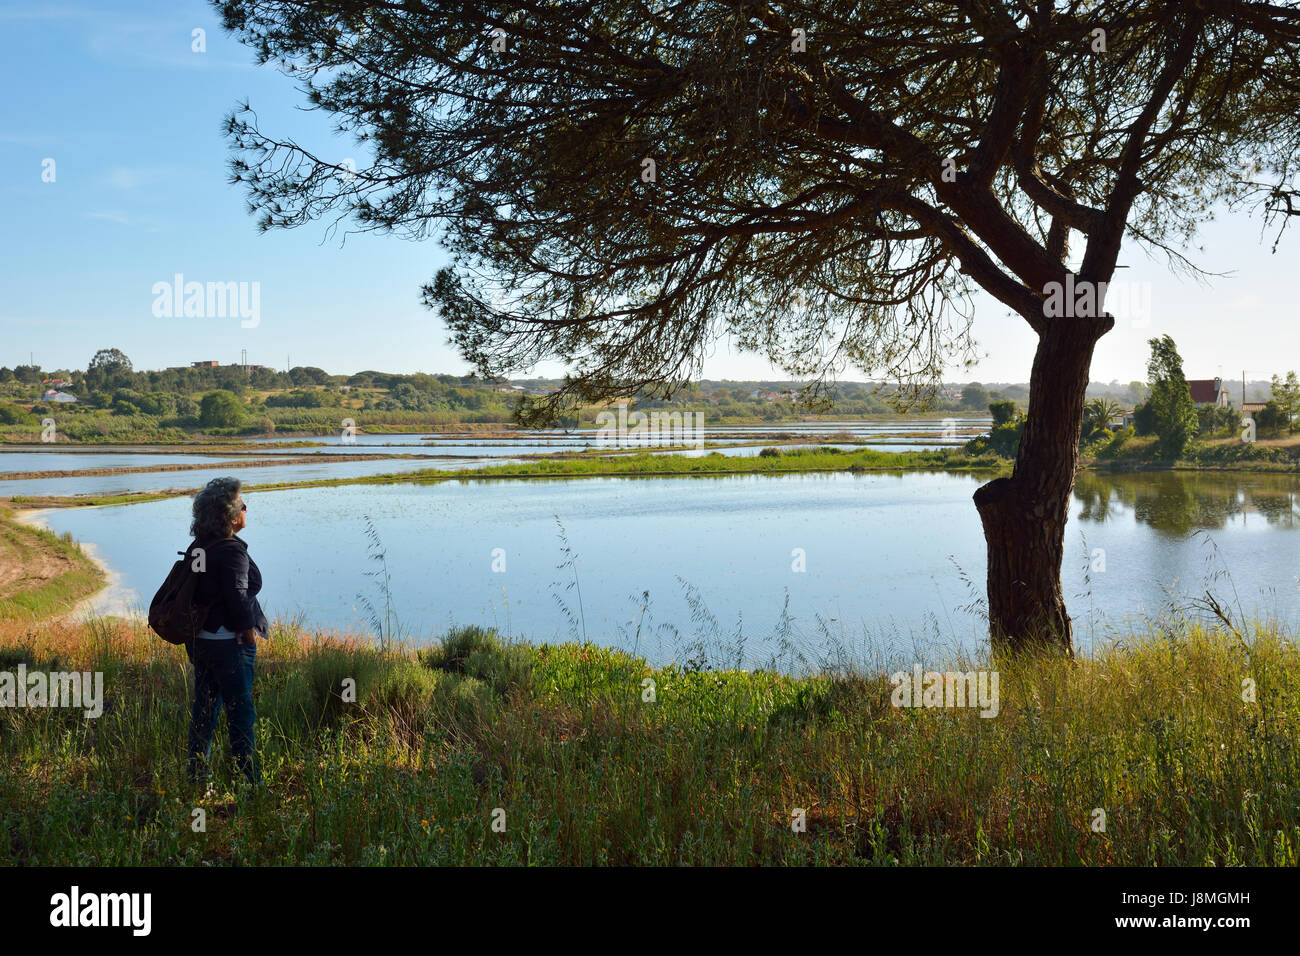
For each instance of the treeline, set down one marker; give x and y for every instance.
(1171, 423)
(110, 378)
(113, 401)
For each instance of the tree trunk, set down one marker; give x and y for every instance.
(1024, 516)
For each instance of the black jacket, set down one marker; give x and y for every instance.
(230, 584)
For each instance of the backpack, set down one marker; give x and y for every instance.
(174, 614)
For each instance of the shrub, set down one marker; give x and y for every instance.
(479, 653)
(14, 415)
(314, 695)
(1269, 419)
(1144, 419)
(402, 694)
(220, 409)
(465, 701)
(1003, 413)
(1114, 445)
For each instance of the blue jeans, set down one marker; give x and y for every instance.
(223, 673)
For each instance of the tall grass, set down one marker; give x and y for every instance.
(598, 758)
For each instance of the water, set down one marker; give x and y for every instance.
(447, 451)
(72, 461)
(751, 451)
(890, 560)
(198, 477)
(885, 431)
(526, 444)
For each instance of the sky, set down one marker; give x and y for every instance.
(115, 95)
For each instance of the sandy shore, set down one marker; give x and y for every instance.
(113, 599)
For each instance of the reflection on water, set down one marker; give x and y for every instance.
(1180, 502)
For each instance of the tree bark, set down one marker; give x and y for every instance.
(1024, 516)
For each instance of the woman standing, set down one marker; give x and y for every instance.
(225, 652)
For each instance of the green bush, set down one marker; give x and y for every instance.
(1004, 413)
(1114, 445)
(402, 695)
(1269, 420)
(14, 415)
(313, 697)
(466, 701)
(220, 409)
(1002, 440)
(479, 653)
(455, 650)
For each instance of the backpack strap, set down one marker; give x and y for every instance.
(206, 547)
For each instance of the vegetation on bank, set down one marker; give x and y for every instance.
(1126, 449)
(768, 461)
(41, 573)
(592, 465)
(1142, 755)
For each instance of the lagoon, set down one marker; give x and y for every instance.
(702, 568)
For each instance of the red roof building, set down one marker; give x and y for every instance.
(1208, 391)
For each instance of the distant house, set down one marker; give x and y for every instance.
(759, 395)
(1250, 408)
(212, 364)
(1208, 391)
(54, 395)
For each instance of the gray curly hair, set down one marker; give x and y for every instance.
(215, 509)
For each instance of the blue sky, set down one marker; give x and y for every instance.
(131, 116)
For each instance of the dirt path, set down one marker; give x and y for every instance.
(25, 566)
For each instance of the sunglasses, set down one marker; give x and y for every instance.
(243, 507)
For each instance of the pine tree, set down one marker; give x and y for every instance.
(1171, 399)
